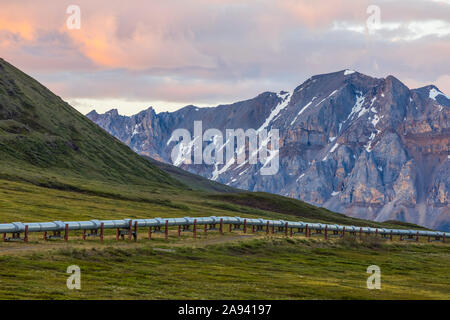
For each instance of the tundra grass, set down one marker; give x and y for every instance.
(26, 202)
(216, 267)
(247, 268)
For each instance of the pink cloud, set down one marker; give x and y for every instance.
(321, 13)
(212, 50)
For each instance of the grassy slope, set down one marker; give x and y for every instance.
(195, 182)
(302, 210)
(22, 201)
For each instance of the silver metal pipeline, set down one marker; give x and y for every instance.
(19, 227)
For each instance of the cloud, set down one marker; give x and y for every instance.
(212, 51)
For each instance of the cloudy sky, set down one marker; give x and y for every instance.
(167, 54)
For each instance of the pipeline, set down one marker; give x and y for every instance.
(129, 227)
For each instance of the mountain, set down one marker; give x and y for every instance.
(367, 147)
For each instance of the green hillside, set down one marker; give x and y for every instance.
(44, 140)
(194, 181)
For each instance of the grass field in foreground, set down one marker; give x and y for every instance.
(229, 267)
(232, 266)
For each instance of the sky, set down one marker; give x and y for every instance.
(131, 55)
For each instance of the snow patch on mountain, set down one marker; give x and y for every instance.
(285, 99)
(217, 172)
(375, 121)
(303, 109)
(135, 131)
(184, 149)
(348, 72)
(368, 146)
(331, 151)
(357, 108)
(242, 172)
(434, 93)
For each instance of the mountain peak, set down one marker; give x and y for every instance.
(93, 113)
(113, 112)
(348, 72)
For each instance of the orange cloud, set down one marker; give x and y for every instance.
(209, 49)
(96, 40)
(22, 28)
(321, 13)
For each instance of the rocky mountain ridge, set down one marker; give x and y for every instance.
(367, 147)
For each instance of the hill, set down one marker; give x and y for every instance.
(193, 181)
(45, 141)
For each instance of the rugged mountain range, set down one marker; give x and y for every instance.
(367, 147)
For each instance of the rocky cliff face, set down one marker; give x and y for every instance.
(369, 148)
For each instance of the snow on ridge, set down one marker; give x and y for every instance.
(216, 173)
(357, 108)
(272, 154)
(331, 151)
(375, 121)
(242, 172)
(334, 92)
(334, 147)
(283, 104)
(434, 93)
(335, 193)
(321, 101)
(368, 146)
(184, 149)
(303, 109)
(135, 131)
(301, 176)
(348, 72)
